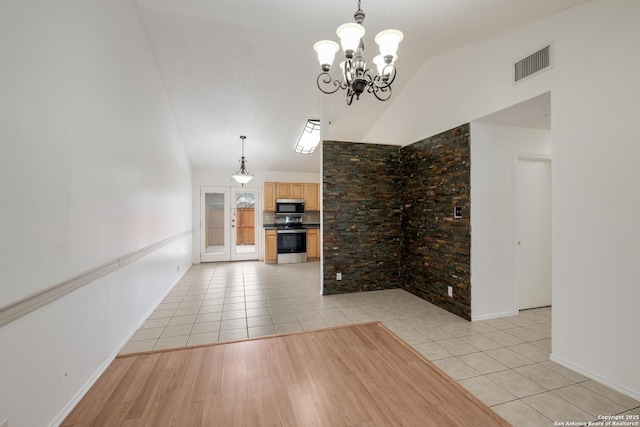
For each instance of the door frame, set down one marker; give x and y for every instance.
(229, 253)
(516, 158)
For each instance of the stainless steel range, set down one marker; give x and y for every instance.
(292, 239)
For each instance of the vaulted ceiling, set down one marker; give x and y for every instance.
(240, 67)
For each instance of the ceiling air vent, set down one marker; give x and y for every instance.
(533, 64)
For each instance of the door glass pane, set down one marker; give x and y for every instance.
(245, 222)
(214, 223)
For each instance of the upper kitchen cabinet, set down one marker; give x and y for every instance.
(311, 197)
(289, 190)
(292, 190)
(269, 196)
(282, 190)
(296, 190)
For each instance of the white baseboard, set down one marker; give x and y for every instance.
(85, 388)
(92, 380)
(627, 392)
(493, 316)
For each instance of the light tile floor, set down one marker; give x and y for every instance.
(504, 362)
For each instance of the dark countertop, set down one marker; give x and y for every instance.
(307, 226)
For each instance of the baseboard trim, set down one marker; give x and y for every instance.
(493, 316)
(91, 381)
(81, 393)
(26, 305)
(627, 392)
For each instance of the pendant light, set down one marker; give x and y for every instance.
(242, 176)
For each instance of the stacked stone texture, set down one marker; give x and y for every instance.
(436, 250)
(362, 217)
(388, 218)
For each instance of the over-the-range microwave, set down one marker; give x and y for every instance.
(289, 206)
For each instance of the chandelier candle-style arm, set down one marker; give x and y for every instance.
(356, 77)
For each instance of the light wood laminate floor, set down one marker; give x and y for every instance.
(504, 362)
(356, 375)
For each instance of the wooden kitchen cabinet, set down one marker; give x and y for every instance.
(313, 244)
(311, 197)
(270, 247)
(309, 192)
(289, 190)
(296, 190)
(282, 190)
(269, 196)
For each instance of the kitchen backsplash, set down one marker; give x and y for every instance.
(268, 217)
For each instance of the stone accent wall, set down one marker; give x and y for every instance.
(436, 247)
(388, 218)
(362, 216)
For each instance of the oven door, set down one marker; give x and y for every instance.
(292, 246)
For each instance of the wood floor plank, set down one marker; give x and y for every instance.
(356, 375)
(95, 400)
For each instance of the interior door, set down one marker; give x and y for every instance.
(229, 224)
(533, 232)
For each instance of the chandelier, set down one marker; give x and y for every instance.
(356, 77)
(242, 176)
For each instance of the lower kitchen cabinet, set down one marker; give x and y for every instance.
(313, 244)
(270, 247)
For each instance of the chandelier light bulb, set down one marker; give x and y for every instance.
(326, 50)
(350, 35)
(388, 41)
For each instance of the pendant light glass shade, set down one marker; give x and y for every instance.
(242, 179)
(388, 41)
(326, 50)
(350, 35)
(381, 63)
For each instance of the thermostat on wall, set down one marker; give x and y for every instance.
(457, 212)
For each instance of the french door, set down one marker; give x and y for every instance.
(229, 224)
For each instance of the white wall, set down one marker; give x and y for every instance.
(595, 172)
(492, 209)
(222, 178)
(92, 167)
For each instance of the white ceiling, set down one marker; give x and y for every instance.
(533, 113)
(241, 67)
